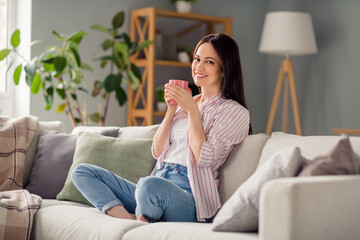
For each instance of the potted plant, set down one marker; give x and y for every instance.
(118, 48)
(160, 95)
(183, 6)
(55, 72)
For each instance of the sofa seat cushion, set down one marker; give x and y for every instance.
(181, 231)
(54, 202)
(78, 222)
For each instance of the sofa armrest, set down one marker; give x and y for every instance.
(325, 207)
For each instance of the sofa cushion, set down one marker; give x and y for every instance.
(181, 231)
(311, 146)
(241, 211)
(240, 164)
(31, 150)
(129, 158)
(138, 132)
(78, 222)
(338, 161)
(52, 161)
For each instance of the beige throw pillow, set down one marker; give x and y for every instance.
(241, 212)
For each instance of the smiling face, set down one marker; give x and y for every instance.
(206, 68)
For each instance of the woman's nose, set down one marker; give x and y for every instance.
(200, 65)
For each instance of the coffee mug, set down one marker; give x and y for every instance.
(181, 83)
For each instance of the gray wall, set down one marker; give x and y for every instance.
(327, 83)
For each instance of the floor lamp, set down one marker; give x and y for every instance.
(287, 34)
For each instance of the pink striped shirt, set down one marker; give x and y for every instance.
(225, 123)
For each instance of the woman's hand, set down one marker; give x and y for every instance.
(182, 97)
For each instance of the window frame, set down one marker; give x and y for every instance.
(15, 101)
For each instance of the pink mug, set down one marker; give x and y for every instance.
(181, 83)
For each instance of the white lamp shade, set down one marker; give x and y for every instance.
(288, 33)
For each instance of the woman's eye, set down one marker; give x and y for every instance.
(196, 59)
(211, 62)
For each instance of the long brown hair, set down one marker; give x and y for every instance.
(232, 86)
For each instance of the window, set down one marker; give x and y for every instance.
(3, 42)
(14, 14)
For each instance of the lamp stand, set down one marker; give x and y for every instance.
(286, 70)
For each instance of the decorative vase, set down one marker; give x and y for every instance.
(161, 106)
(182, 6)
(183, 57)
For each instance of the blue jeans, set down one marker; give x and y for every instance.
(164, 197)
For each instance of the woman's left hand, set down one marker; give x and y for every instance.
(182, 97)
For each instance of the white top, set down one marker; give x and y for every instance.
(178, 141)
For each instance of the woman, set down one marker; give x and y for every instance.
(192, 142)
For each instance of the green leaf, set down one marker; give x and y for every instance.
(78, 77)
(77, 36)
(77, 56)
(95, 117)
(48, 67)
(15, 38)
(4, 53)
(58, 35)
(134, 76)
(112, 82)
(100, 28)
(118, 20)
(30, 70)
(122, 48)
(103, 63)
(49, 98)
(133, 48)
(17, 74)
(48, 60)
(136, 71)
(61, 93)
(61, 108)
(113, 33)
(121, 96)
(107, 44)
(60, 64)
(83, 90)
(73, 96)
(144, 44)
(48, 78)
(86, 67)
(126, 38)
(105, 58)
(36, 84)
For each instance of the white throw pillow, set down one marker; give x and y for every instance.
(241, 212)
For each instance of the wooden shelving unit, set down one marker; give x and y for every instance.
(143, 27)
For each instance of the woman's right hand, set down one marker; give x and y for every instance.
(170, 107)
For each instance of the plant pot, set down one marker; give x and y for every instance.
(182, 6)
(161, 106)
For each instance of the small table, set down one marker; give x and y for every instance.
(346, 131)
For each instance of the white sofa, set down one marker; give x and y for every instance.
(290, 208)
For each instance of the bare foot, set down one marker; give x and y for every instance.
(120, 212)
(142, 218)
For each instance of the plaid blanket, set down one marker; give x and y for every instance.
(17, 210)
(17, 207)
(15, 137)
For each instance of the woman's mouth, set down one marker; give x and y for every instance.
(200, 75)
